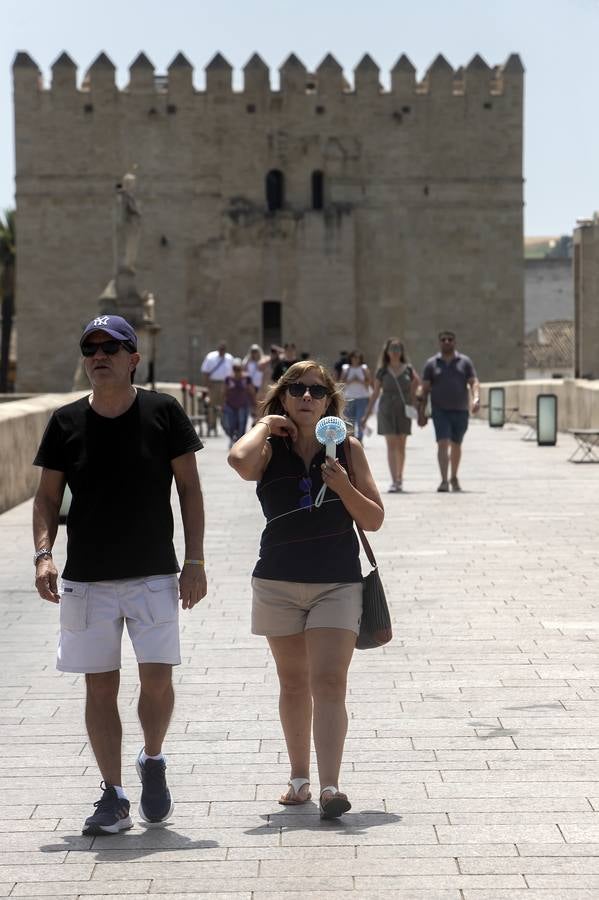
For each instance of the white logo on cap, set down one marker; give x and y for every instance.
(101, 320)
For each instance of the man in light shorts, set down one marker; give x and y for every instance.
(118, 450)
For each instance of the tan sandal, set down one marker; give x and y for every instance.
(335, 806)
(296, 784)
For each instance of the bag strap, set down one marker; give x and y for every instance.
(397, 384)
(362, 536)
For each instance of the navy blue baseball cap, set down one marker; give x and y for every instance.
(115, 326)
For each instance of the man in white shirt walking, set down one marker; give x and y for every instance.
(217, 366)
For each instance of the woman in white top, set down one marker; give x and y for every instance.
(358, 381)
(253, 365)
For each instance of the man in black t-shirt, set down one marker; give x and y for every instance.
(118, 450)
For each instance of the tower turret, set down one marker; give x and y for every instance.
(403, 77)
(256, 76)
(366, 76)
(64, 74)
(180, 77)
(329, 76)
(293, 75)
(219, 74)
(141, 74)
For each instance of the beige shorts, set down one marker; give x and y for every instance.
(280, 608)
(92, 614)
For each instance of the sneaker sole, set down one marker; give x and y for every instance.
(121, 825)
(140, 808)
(155, 822)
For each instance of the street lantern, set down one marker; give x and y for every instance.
(546, 420)
(496, 407)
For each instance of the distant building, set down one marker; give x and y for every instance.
(319, 213)
(586, 297)
(548, 283)
(549, 350)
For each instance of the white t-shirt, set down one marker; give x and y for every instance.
(356, 389)
(217, 367)
(255, 373)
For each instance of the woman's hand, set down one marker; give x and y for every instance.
(281, 426)
(334, 475)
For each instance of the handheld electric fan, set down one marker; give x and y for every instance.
(330, 431)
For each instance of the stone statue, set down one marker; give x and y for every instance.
(127, 226)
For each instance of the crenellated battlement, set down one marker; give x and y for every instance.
(440, 79)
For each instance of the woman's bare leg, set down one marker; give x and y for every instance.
(329, 652)
(295, 702)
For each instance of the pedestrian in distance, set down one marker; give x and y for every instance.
(339, 363)
(451, 380)
(254, 363)
(118, 450)
(287, 360)
(356, 377)
(397, 384)
(240, 397)
(267, 366)
(307, 583)
(216, 366)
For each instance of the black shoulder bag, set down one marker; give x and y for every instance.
(375, 624)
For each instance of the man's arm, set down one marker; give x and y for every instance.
(46, 509)
(474, 386)
(192, 581)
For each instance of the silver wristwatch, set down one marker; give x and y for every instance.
(39, 553)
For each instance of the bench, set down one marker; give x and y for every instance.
(530, 420)
(587, 445)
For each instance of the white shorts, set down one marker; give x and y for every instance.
(92, 615)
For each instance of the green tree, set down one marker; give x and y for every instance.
(7, 289)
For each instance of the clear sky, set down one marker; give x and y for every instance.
(557, 42)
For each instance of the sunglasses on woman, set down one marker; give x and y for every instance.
(108, 347)
(298, 389)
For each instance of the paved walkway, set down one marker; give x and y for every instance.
(472, 757)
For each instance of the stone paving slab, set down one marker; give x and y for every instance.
(473, 747)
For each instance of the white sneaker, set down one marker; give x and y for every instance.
(399, 487)
(392, 489)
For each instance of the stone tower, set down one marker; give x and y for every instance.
(327, 214)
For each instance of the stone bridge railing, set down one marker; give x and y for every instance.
(577, 399)
(22, 424)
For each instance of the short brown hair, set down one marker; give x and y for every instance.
(272, 405)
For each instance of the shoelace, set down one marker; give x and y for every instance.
(107, 800)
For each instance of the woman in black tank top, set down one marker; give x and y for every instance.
(307, 581)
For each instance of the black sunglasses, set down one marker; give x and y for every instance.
(108, 347)
(298, 389)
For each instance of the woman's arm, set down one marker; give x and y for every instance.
(362, 500)
(373, 398)
(415, 387)
(367, 376)
(251, 454)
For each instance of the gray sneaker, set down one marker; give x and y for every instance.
(443, 487)
(455, 485)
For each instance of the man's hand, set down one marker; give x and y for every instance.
(475, 405)
(46, 580)
(192, 586)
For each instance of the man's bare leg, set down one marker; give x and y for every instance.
(156, 703)
(104, 723)
(443, 457)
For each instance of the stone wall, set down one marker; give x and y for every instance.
(421, 225)
(577, 399)
(22, 424)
